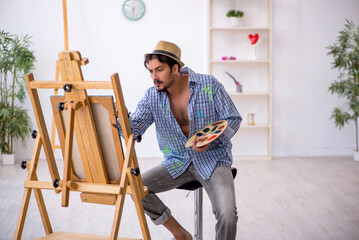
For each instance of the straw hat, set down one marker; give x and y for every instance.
(168, 49)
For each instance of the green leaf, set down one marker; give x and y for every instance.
(340, 118)
(345, 53)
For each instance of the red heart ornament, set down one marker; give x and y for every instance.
(253, 38)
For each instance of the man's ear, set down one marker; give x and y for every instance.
(175, 69)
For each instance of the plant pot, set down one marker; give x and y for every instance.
(356, 156)
(8, 159)
(234, 21)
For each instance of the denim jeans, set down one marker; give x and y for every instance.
(219, 188)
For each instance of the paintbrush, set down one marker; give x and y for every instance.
(235, 81)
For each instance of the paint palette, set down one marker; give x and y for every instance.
(211, 132)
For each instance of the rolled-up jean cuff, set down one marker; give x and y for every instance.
(163, 218)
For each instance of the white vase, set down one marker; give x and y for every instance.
(234, 21)
(8, 159)
(252, 52)
(356, 156)
(239, 88)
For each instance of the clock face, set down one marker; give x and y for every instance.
(133, 9)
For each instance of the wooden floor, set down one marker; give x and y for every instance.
(297, 198)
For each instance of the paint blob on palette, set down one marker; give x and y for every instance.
(210, 133)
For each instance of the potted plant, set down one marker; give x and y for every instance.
(345, 52)
(15, 61)
(234, 17)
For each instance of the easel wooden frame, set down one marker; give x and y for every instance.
(56, 90)
(97, 187)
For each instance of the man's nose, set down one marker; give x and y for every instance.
(154, 76)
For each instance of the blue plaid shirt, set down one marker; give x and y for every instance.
(208, 103)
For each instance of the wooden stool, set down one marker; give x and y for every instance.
(198, 204)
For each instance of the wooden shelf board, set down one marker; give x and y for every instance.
(240, 28)
(240, 61)
(249, 93)
(258, 125)
(250, 157)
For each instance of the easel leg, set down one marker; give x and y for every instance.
(123, 184)
(138, 203)
(23, 211)
(53, 127)
(138, 179)
(22, 215)
(27, 193)
(118, 213)
(68, 155)
(43, 212)
(37, 192)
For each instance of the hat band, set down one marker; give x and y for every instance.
(165, 52)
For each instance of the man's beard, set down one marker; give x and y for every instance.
(164, 89)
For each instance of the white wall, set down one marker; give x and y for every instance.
(301, 74)
(112, 43)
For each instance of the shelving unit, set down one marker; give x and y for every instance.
(251, 141)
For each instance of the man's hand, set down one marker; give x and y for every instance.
(199, 149)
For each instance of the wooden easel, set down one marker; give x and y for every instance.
(56, 90)
(73, 113)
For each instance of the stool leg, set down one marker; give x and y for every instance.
(198, 214)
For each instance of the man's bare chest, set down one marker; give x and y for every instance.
(179, 108)
(180, 112)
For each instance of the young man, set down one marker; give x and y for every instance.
(181, 103)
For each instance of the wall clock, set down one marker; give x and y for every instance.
(133, 9)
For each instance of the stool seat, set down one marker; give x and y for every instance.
(195, 184)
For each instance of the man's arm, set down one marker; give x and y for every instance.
(225, 110)
(142, 118)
